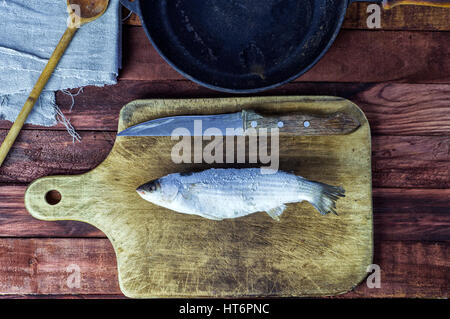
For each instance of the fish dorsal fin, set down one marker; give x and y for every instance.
(276, 212)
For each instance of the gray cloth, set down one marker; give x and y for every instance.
(29, 33)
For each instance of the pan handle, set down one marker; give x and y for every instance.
(132, 5)
(387, 4)
(372, 1)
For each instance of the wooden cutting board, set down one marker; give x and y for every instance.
(161, 253)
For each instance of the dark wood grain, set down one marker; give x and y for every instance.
(411, 214)
(356, 56)
(399, 18)
(71, 296)
(40, 153)
(410, 269)
(15, 221)
(418, 161)
(399, 215)
(404, 109)
(398, 161)
(392, 109)
(39, 266)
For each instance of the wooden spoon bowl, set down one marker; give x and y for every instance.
(87, 10)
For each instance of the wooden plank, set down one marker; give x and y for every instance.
(392, 109)
(39, 266)
(398, 161)
(398, 214)
(41, 153)
(44, 266)
(15, 221)
(410, 18)
(140, 60)
(409, 269)
(356, 56)
(400, 18)
(404, 109)
(411, 214)
(23, 296)
(416, 161)
(133, 19)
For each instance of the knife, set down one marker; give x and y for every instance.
(242, 123)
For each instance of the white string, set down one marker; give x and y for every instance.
(127, 17)
(67, 92)
(64, 121)
(60, 118)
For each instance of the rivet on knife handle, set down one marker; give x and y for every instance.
(338, 123)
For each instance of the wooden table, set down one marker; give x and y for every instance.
(399, 76)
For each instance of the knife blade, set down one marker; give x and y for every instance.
(242, 123)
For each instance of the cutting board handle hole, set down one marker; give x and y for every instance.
(53, 197)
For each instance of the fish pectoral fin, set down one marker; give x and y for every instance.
(188, 192)
(276, 212)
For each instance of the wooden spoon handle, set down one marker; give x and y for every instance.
(387, 4)
(36, 92)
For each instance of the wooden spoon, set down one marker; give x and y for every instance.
(80, 12)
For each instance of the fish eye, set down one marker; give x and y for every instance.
(154, 186)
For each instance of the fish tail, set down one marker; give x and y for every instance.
(323, 196)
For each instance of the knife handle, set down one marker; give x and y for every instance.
(338, 123)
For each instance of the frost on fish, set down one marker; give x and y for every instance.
(230, 193)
